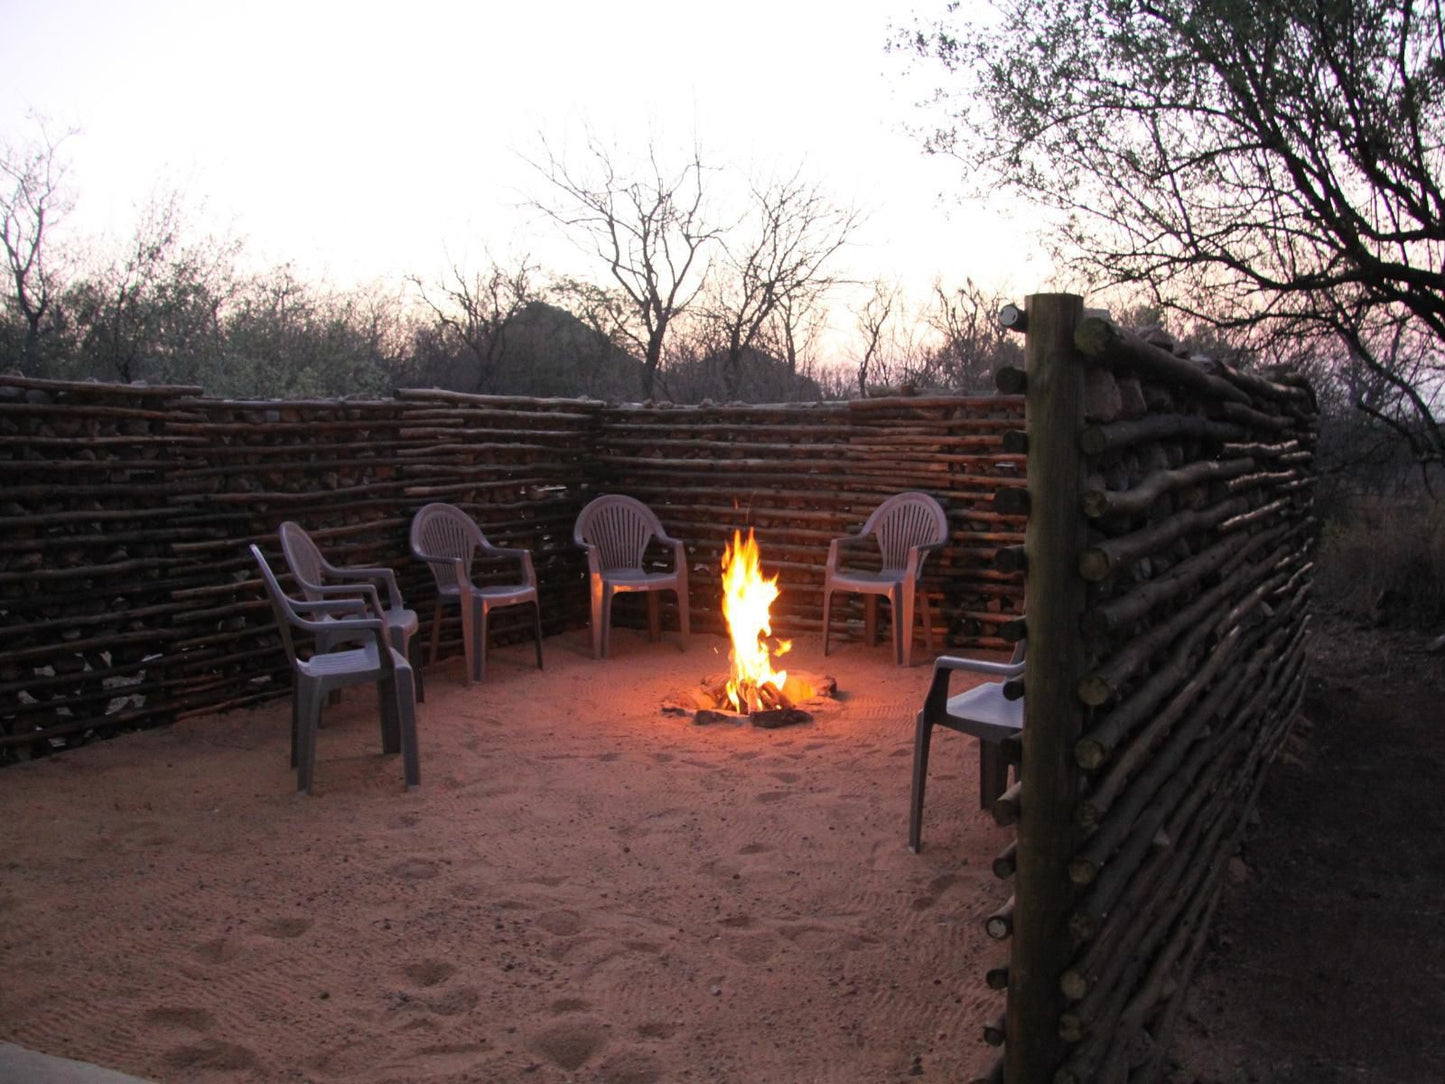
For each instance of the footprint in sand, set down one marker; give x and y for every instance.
(455, 1002)
(561, 923)
(284, 927)
(786, 777)
(221, 950)
(630, 1067)
(769, 796)
(212, 1054)
(656, 1029)
(753, 948)
(564, 1005)
(429, 972)
(183, 1017)
(415, 869)
(570, 1044)
(754, 848)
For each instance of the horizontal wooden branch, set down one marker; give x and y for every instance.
(1100, 338)
(1101, 502)
(1097, 439)
(1100, 561)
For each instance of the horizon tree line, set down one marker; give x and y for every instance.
(693, 304)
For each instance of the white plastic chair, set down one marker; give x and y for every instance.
(448, 540)
(983, 711)
(615, 531)
(326, 671)
(907, 527)
(312, 570)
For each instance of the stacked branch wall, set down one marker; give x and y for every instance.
(1177, 623)
(127, 597)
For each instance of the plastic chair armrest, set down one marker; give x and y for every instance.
(594, 561)
(516, 553)
(679, 551)
(935, 703)
(379, 575)
(367, 591)
(835, 547)
(919, 554)
(978, 666)
(347, 604)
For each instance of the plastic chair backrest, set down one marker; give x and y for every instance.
(303, 558)
(903, 521)
(280, 604)
(620, 528)
(444, 530)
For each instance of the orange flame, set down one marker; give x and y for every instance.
(747, 597)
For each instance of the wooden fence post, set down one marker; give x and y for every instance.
(1053, 720)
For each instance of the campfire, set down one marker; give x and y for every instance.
(748, 597)
(753, 690)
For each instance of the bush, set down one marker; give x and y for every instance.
(1383, 560)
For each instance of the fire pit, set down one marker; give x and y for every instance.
(753, 691)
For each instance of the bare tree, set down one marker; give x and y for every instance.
(652, 231)
(475, 310)
(974, 344)
(774, 269)
(155, 310)
(32, 201)
(873, 319)
(794, 329)
(1274, 168)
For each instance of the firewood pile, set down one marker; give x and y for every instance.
(127, 597)
(1169, 565)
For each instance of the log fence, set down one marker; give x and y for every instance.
(1168, 557)
(1152, 510)
(127, 597)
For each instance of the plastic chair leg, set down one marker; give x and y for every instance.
(827, 616)
(310, 716)
(922, 737)
(413, 656)
(606, 621)
(484, 612)
(295, 722)
(470, 617)
(406, 712)
(684, 617)
(387, 709)
(927, 609)
(598, 617)
(436, 630)
(992, 773)
(537, 613)
(900, 601)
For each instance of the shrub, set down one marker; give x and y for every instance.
(1383, 560)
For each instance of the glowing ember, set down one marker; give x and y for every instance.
(747, 596)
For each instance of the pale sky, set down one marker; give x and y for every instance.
(366, 140)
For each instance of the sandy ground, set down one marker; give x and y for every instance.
(1326, 960)
(582, 888)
